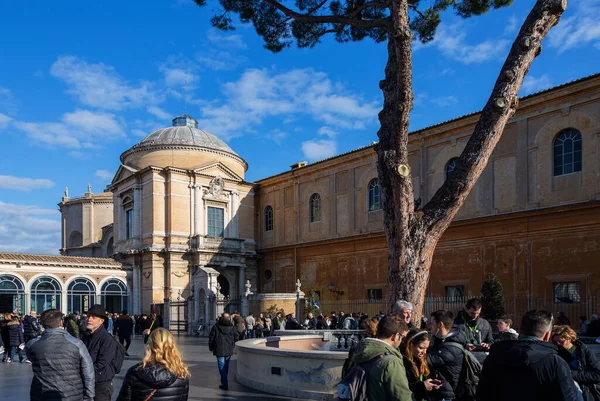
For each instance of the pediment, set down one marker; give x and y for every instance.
(218, 169)
(121, 174)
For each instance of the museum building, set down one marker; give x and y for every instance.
(179, 223)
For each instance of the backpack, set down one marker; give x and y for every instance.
(353, 386)
(469, 375)
(117, 363)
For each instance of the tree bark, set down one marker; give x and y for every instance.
(412, 237)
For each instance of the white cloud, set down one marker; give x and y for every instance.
(105, 174)
(4, 121)
(225, 40)
(179, 72)
(98, 85)
(532, 84)
(327, 132)
(220, 60)
(445, 101)
(581, 28)
(277, 136)
(260, 94)
(159, 113)
(79, 129)
(511, 25)
(27, 228)
(451, 41)
(319, 149)
(24, 184)
(8, 103)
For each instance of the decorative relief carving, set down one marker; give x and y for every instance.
(215, 189)
(147, 274)
(178, 273)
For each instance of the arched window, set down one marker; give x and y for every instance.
(75, 239)
(450, 167)
(45, 294)
(12, 294)
(81, 294)
(567, 152)
(114, 295)
(374, 195)
(268, 218)
(315, 208)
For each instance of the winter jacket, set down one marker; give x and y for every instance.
(474, 329)
(62, 368)
(250, 322)
(15, 334)
(587, 373)
(222, 338)
(139, 383)
(31, 327)
(311, 323)
(124, 326)
(525, 370)
(446, 360)
(350, 323)
(415, 382)
(72, 326)
(292, 324)
(593, 329)
(4, 333)
(240, 326)
(103, 350)
(386, 378)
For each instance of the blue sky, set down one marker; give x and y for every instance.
(80, 83)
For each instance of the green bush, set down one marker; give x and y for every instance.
(492, 298)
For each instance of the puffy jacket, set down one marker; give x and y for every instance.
(473, 329)
(15, 334)
(31, 327)
(446, 361)
(386, 378)
(525, 370)
(124, 325)
(139, 383)
(62, 368)
(103, 350)
(71, 326)
(222, 338)
(587, 374)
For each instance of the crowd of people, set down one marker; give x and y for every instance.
(76, 357)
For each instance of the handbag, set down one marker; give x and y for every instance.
(147, 333)
(150, 396)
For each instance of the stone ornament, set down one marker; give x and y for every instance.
(248, 286)
(215, 188)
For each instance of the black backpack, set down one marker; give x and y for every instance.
(353, 386)
(469, 375)
(117, 363)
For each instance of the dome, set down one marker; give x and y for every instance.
(185, 138)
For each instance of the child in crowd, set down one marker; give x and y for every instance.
(505, 328)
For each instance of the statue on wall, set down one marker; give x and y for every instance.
(215, 188)
(66, 192)
(89, 189)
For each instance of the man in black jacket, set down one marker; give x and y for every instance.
(445, 355)
(221, 341)
(124, 327)
(529, 368)
(103, 350)
(62, 367)
(31, 326)
(477, 330)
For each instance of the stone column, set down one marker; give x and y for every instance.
(234, 210)
(120, 233)
(63, 302)
(198, 210)
(137, 291)
(137, 211)
(242, 281)
(27, 303)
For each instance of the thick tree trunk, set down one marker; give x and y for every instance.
(412, 237)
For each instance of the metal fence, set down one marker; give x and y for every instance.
(514, 306)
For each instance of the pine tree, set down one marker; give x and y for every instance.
(492, 298)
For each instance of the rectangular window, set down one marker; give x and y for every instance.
(216, 221)
(567, 292)
(454, 291)
(129, 223)
(375, 295)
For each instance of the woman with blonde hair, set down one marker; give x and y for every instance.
(161, 375)
(584, 365)
(418, 373)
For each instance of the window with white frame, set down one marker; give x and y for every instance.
(567, 152)
(374, 195)
(216, 222)
(269, 218)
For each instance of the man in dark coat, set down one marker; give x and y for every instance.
(124, 326)
(476, 329)
(103, 350)
(221, 341)
(529, 368)
(445, 355)
(62, 367)
(31, 326)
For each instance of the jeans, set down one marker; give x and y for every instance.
(15, 349)
(250, 333)
(223, 364)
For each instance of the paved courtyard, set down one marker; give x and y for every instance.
(15, 378)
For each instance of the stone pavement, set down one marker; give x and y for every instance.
(15, 378)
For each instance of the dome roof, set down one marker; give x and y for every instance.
(184, 132)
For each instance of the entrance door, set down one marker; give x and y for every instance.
(6, 303)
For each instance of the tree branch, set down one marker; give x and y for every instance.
(326, 19)
(375, 4)
(501, 106)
